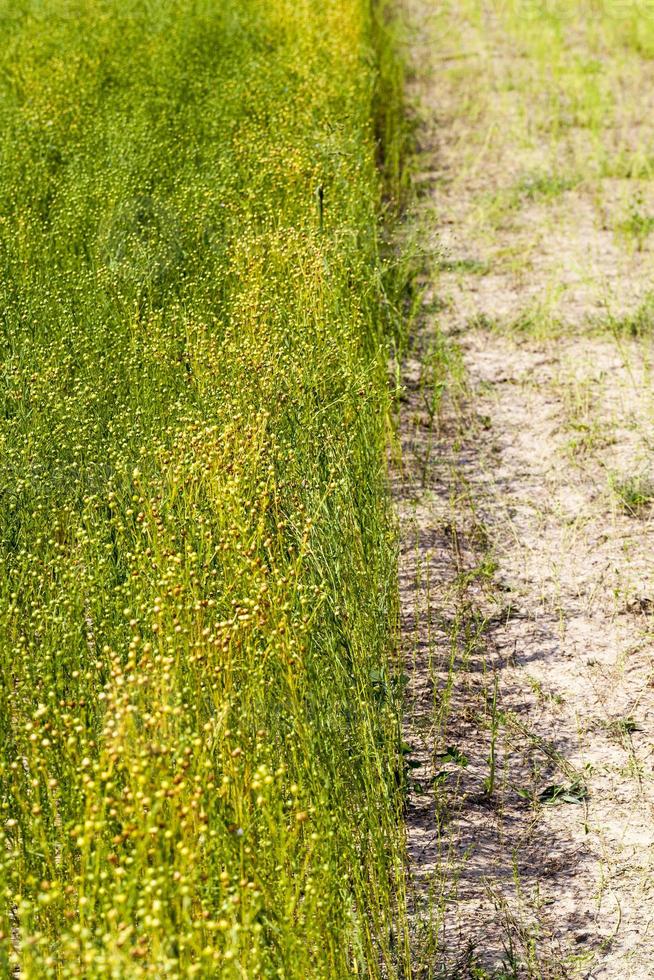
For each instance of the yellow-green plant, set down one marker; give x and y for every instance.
(198, 757)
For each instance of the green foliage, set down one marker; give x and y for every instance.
(197, 776)
(638, 322)
(634, 493)
(639, 224)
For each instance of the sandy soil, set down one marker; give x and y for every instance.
(527, 581)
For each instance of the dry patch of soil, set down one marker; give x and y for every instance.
(526, 505)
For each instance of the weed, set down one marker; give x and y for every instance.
(469, 266)
(635, 494)
(620, 727)
(495, 719)
(639, 323)
(531, 188)
(639, 225)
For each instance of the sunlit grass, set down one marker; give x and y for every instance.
(199, 763)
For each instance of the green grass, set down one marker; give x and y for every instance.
(636, 323)
(531, 189)
(200, 743)
(638, 224)
(635, 494)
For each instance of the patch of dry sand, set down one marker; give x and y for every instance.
(527, 592)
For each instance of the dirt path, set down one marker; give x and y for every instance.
(525, 501)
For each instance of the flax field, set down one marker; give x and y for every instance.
(200, 751)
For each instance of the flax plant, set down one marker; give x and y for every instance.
(198, 762)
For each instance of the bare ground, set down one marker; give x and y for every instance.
(527, 577)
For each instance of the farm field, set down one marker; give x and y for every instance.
(326, 489)
(526, 488)
(199, 736)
